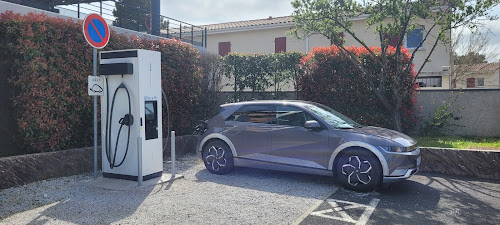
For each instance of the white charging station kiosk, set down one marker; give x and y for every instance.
(131, 109)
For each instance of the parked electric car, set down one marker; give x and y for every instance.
(306, 137)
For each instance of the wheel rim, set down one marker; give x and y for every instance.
(216, 158)
(357, 171)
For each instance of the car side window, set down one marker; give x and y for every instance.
(254, 114)
(292, 116)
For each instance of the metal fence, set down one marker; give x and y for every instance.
(128, 16)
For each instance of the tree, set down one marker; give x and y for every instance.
(392, 20)
(471, 57)
(471, 48)
(131, 14)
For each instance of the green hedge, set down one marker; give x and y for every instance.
(46, 61)
(259, 72)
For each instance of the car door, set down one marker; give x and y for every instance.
(249, 129)
(293, 144)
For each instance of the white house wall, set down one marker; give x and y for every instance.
(261, 40)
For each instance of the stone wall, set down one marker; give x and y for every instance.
(23, 169)
(475, 163)
(481, 109)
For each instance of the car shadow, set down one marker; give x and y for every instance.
(431, 198)
(279, 182)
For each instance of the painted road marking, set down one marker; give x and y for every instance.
(344, 216)
(316, 205)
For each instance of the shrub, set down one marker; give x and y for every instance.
(328, 77)
(48, 61)
(259, 72)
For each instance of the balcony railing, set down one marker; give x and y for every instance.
(120, 14)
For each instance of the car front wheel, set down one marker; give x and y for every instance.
(359, 170)
(218, 157)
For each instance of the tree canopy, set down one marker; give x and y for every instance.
(392, 21)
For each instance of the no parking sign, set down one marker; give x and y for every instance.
(96, 31)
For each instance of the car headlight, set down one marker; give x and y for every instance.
(398, 149)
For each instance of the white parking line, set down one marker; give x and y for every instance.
(344, 216)
(316, 205)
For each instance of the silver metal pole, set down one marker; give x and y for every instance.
(95, 117)
(172, 153)
(139, 163)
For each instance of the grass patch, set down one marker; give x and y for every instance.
(459, 142)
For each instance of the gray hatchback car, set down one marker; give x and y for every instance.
(306, 137)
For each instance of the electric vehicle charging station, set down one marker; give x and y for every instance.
(131, 120)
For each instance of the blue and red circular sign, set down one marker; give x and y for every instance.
(96, 31)
(148, 22)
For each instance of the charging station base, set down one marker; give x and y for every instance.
(128, 177)
(128, 185)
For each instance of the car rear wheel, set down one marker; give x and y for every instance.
(359, 170)
(218, 157)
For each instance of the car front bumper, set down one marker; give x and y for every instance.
(403, 173)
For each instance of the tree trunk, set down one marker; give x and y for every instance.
(396, 117)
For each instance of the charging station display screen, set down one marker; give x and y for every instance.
(151, 119)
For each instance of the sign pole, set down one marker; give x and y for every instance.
(95, 116)
(96, 32)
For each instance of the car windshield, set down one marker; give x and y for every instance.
(332, 117)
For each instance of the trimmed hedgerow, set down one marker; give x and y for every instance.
(328, 77)
(46, 62)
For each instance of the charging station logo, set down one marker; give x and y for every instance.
(96, 31)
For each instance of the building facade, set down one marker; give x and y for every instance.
(270, 36)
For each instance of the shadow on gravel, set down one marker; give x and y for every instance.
(270, 181)
(93, 205)
(439, 199)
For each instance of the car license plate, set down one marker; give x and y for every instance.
(418, 160)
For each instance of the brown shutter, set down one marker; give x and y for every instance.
(280, 44)
(393, 40)
(471, 82)
(341, 38)
(224, 48)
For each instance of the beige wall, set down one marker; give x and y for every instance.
(491, 80)
(262, 41)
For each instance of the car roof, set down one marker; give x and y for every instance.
(266, 102)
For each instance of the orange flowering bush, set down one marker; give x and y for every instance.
(330, 78)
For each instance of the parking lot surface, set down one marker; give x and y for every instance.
(252, 196)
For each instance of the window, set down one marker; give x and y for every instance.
(224, 48)
(291, 116)
(480, 82)
(414, 38)
(429, 81)
(471, 82)
(254, 114)
(280, 44)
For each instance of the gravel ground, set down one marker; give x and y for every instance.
(245, 196)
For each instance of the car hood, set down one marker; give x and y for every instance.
(388, 134)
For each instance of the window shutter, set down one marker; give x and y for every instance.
(393, 40)
(280, 44)
(471, 82)
(340, 39)
(414, 38)
(224, 48)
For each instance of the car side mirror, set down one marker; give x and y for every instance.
(312, 124)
